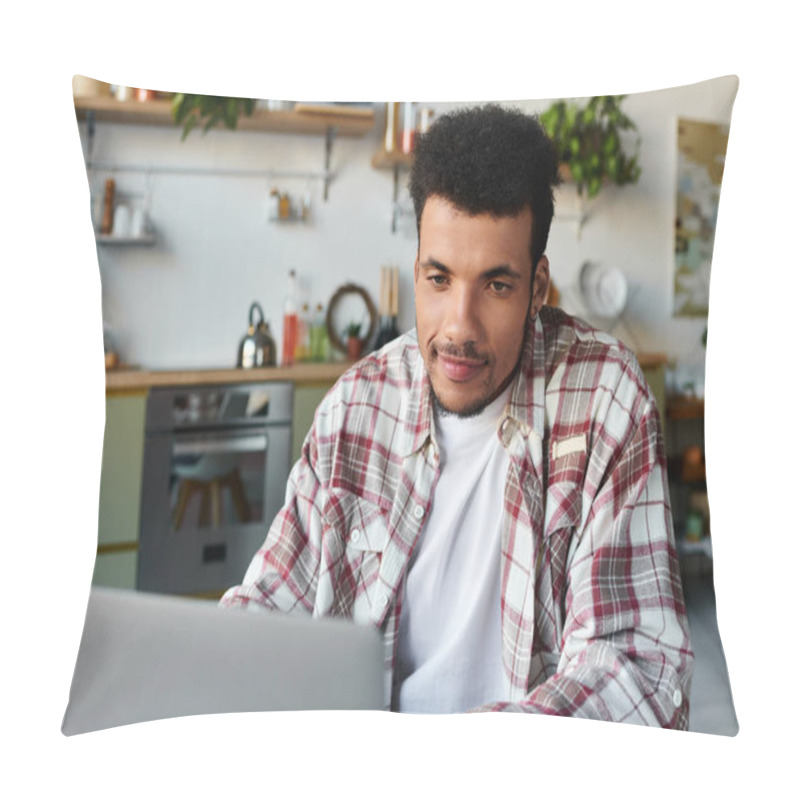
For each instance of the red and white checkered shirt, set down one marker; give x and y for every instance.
(593, 617)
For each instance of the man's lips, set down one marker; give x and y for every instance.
(460, 369)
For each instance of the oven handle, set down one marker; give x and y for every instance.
(227, 442)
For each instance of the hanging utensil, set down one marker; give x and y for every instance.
(388, 300)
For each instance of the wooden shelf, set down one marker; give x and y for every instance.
(384, 160)
(303, 118)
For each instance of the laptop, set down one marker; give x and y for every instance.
(144, 657)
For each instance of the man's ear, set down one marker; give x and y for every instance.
(541, 285)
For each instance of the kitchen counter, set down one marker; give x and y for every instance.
(123, 379)
(120, 380)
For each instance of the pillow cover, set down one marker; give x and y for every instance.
(191, 232)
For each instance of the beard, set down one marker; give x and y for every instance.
(479, 403)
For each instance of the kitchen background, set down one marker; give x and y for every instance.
(183, 301)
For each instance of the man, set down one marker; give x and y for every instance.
(490, 491)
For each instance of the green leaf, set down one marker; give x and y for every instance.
(231, 113)
(188, 125)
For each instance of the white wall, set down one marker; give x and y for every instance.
(184, 302)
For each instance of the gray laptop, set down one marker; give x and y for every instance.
(145, 657)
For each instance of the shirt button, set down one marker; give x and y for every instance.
(383, 599)
(677, 698)
(355, 535)
(418, 512)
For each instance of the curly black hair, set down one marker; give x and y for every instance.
(488, 159)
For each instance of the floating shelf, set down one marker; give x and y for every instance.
(328, 121)
(107, 238)
(394, 161)
(303, 118)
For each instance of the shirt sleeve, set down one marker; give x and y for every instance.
(284, 572)
(625, 653)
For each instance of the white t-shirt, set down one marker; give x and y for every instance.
(449, 646)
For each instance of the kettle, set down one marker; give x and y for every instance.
(257, 348)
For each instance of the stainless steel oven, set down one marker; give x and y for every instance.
(216, 461)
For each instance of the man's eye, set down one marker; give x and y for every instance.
(437, 280)
(498, 287)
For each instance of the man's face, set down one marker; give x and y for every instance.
(473, 293)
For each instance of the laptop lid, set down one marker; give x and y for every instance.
(145, 657)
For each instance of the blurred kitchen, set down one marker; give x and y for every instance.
(245, 267)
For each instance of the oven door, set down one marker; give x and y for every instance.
(208, 498)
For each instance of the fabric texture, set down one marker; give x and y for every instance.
(592, 612)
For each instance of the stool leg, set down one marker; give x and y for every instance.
(204, 504)
(234, 481)
(184, 490)
(215, 492)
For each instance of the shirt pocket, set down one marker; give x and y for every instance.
(564, 496)
(562, 530)
(362, 533)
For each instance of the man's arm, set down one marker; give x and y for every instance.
(284, 572)
(625, 652)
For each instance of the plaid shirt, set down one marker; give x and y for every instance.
(593, 618)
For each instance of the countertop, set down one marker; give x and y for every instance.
(121, 379)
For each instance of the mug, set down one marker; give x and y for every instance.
(122, 221)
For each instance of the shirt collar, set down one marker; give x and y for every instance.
(526, 407)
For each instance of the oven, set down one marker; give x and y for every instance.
(216, 462)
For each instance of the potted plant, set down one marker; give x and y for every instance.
(191, 110)
(589, 142)
(355, 344)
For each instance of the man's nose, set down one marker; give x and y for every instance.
(462, 319)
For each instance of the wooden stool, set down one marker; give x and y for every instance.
(211, 498)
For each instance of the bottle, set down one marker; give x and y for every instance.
(273, 205)
(409, 128)
(302, 346)
(319, 336)
(392, 127)
(290, 322)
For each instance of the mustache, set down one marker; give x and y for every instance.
(467, 351)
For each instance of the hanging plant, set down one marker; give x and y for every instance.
(588, 142)
(192, 110)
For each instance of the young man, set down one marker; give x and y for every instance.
(490, 490)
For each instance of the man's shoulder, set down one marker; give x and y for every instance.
(571, 343)
(393, 367)
(382, 380)
(589, 373)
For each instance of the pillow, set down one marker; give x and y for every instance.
(196, 239)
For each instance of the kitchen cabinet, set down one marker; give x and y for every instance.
(685, 432)
(120, 489)
(123, 448)
(654, 368)
(306, 400)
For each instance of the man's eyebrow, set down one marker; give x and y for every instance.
(432, 263)
(500, 271)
